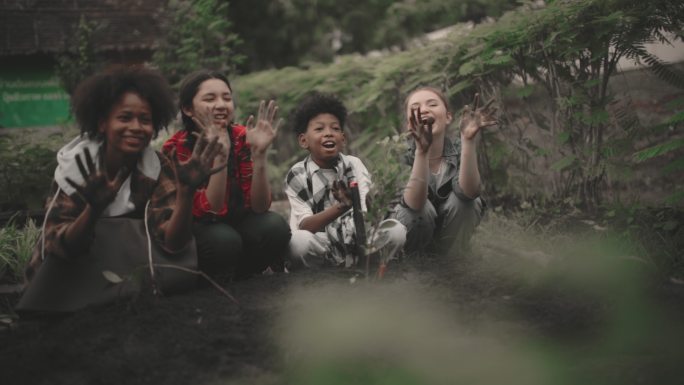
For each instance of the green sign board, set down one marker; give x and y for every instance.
(31, 97)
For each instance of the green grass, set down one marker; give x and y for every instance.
(16, 247)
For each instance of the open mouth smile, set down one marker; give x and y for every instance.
(134, 139)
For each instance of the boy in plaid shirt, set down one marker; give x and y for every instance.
(320, 202)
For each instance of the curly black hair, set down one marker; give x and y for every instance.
(95, 97)
(313, 105)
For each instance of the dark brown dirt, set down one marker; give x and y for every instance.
(511, 318)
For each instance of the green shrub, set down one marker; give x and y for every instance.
(562, 55)
(25, 173)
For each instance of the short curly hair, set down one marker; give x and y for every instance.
(313, 105)
(95, 97)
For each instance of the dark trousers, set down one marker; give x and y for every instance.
(242, 248)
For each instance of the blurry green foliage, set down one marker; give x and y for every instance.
(352, 372)
(25, 173)
(389, 175)
(558, 57)
(672, 148)
(300, 32)
(570, 49)
(27, 164)
(197, 34)
(80, 59)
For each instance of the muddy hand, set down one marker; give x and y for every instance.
(475, 118)
(342, 193)
(98, 191)
(421, 130)
(196, 170)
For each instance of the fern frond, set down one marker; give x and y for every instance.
(663, 70)
(659, 149)
(632, 51)
(675, 119)
(625, 116)
(662, 39)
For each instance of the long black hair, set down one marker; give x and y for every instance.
(188, 89)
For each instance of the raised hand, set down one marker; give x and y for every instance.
(421, 130)
(98, 191)
(260, 133)
(196, 170)
(205, 124)
(475, 118)
(342, 193)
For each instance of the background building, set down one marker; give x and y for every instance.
(34, 34)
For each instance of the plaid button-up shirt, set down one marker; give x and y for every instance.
(309, 192)
(238, 183)
(161, 194)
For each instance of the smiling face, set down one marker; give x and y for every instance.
(323, 138)
(213, 98)
(431, 105)
(129, 126)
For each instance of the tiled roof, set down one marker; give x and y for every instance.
(48, 26)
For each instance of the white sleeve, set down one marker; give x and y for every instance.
(299, 209)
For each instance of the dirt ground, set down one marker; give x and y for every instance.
(523, 307)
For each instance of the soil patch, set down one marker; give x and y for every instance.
(514, 311)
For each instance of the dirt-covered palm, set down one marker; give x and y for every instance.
(97, 190)
(342, 193)
(197, 169)
(421, 130)
(475, 118)
(204, 121)
(260, 133)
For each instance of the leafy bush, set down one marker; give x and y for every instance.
(80, 59)
(297, 32)
(560, 57)
(197, 34)
(27, 164)
(571, 49)
(25, 173)
(672, 146)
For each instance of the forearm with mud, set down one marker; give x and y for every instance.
(260, 193)
(317, 222)
(416, 191)
(79, 234)
(469, 174)
(179, 227)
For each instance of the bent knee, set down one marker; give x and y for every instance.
(219, 237)
(301, 243)
(393, 231)
(268, 226)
